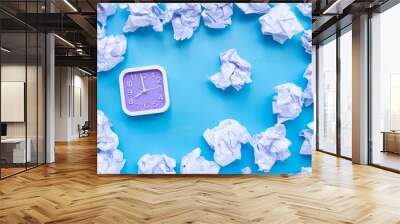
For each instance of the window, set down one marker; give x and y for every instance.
(346, 93)
(327, 96)
(385, 89)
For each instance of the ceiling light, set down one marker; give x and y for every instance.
(5, 50)
(64, 40)
(70, 5)
(84, 71)
(337, 7)
(80, 51)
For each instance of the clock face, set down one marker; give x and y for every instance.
(144, 90)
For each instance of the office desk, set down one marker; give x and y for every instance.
(391, 141)
(17, 150)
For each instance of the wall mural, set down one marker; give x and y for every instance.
(213, 88)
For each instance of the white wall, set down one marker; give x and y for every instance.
(61, 103)
(12, 73)
(13, 101)
(71, 93)
(33, 127)
(80, 100)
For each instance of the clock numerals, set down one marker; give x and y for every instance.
(138, 106)
(130, 101)
(129, 91)
(129, 83)
(144, 106)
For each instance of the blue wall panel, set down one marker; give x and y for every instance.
(195, 102)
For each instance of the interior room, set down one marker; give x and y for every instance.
(385, 89)
(29, 102)
(49, 138)
(72, 107)
(22, 100)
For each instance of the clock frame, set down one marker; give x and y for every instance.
(124, 98)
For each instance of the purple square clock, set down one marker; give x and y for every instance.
(144, 90)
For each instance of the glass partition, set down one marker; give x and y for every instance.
(327, 96)
(22, 90)
(346, 93)
(41, 96)
(31, 99)
(13, 94)
(385, 89)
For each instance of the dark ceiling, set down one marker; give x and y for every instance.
(76, 24)
(75, 21)
(332, 15)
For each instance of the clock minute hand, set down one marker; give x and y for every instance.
(153, 88)
(141, 80)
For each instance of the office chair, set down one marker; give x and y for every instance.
(84, 130)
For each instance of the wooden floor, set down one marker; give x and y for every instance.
(5, 172)
(69, 191)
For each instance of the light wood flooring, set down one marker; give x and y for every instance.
(70, 191)
(10, 171)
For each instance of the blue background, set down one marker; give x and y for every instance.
(196, 104)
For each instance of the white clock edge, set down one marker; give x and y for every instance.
(152, 111)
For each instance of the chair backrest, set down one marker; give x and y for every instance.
(86, 125)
